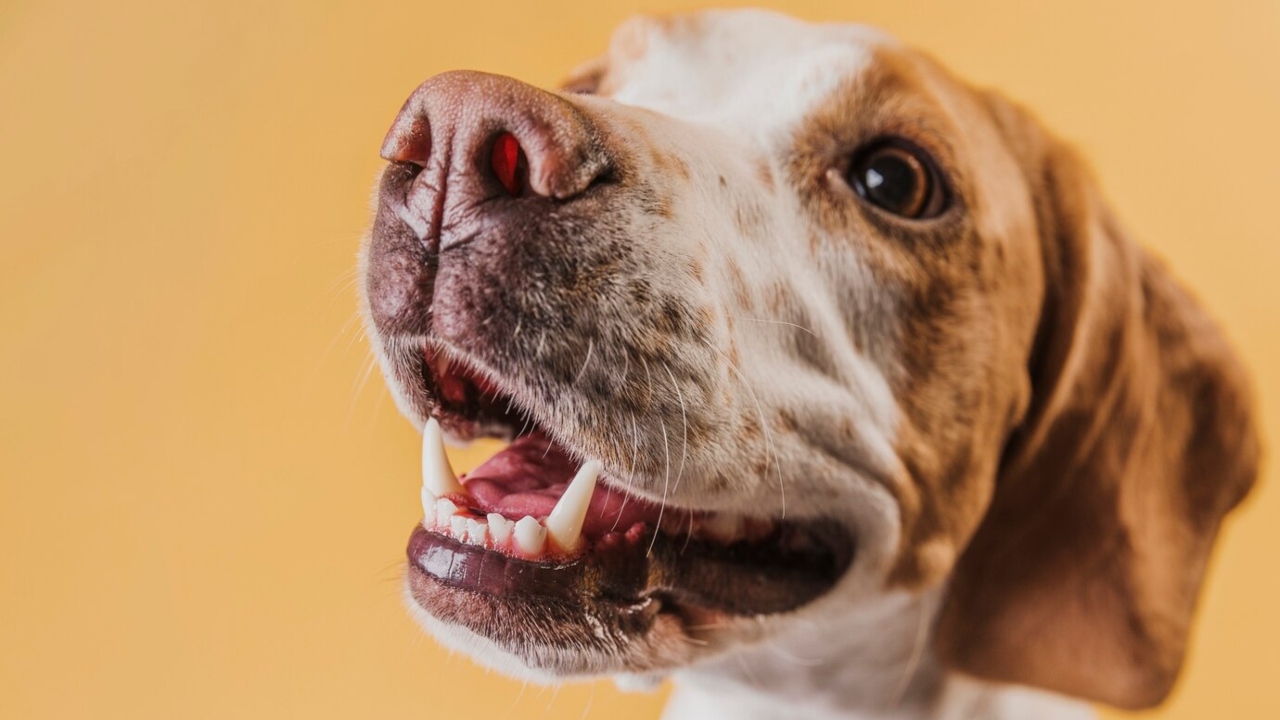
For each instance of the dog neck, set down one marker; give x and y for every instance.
(872, 664)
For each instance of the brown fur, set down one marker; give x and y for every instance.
(1068, 430)
(1085, 572)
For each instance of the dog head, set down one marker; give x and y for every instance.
(831, 323)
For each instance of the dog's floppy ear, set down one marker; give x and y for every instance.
(1084, 573)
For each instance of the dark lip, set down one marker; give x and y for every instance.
(467, 567)
(745, 579)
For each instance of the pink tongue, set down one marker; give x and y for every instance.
(530, 475)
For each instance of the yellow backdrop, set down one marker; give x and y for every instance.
(204, 497)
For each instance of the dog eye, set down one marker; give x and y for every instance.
(900, 179)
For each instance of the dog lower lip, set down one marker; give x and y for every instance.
(778, 574)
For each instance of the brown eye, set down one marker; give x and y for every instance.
(900, 179)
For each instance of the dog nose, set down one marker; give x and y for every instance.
(493, 133)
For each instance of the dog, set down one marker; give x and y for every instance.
(833, 387)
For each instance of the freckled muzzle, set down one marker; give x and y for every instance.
(508, 279)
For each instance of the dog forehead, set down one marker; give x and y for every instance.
(755, 71)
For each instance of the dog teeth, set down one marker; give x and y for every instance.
(564, 524)
(438, 477)
(530, 536)
(428, 507)
(445, 511)
(500, 528)
(458, 526)
(477, 532)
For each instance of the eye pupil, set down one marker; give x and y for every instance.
(896, 179)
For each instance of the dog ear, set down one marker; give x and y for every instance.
(1084, 573)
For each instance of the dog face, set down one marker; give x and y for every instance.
(826, 319)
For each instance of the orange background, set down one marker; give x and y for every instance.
(203, 503)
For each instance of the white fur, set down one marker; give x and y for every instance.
(726, 105)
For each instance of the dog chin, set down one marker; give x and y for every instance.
(639, 668)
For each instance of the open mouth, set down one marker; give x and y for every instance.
(539, 523)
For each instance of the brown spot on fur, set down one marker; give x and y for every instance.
(697, 271)
(748, 218)
(668, 164)
(704, 320)
(663, 207)
(847, 430)
(777, 298)
(765, 172)
(787, 421)
(738, 284)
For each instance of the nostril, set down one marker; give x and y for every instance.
(408, 141)
(509, 163)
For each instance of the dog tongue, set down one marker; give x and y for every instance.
(530, 475)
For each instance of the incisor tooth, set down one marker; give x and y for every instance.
(530, 535)
(476, 532)
(499, 528)
(437, 474)
(564, 524)
(458, 527)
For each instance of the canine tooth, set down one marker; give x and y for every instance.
(428, 506)
(476, 531)
(564, 524)
(437, 474)
(530, 535)
(445, 509)
(499, 528)
(458, 527)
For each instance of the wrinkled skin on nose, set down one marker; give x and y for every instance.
(454, 119)
(460, 140)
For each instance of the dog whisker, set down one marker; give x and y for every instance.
(709, 626)
(746, 669)
(357, 388)
(581, 372)
(635, 451)
(774, 322)
(591, 698)
(917, 652)
(666, 481)
(773, 646)
(684, 417)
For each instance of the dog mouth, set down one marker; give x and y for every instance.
(538, 525)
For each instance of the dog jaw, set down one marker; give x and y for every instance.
(716, 325)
